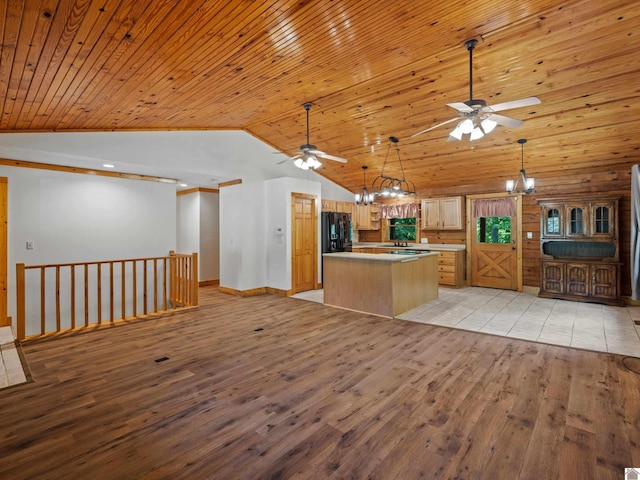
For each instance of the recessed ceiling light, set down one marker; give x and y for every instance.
(183, 184)
(107, 165)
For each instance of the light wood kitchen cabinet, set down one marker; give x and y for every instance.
(579, 257)
(347, 207)
(441, 213)
(328, 205)
(450, 267)
(367, 217)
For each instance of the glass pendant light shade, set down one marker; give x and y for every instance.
(476, 134)
(456, 133)
(466, 126)
(488, 125)
(364, 198)
(529, 185)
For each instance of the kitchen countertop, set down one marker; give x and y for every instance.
(411, 246)
(380, 257)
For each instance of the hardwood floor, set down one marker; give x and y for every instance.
(279, 388)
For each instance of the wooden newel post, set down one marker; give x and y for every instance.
(172, 278)
(20, 305)
(194, 280)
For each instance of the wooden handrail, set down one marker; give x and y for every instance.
(173, 289)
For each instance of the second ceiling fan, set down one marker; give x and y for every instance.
(478, 118)
(308, 156)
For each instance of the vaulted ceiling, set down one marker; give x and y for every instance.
(372, 69)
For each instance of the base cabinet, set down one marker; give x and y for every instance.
(581, 280)
(451, 268)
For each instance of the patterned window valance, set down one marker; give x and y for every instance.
(494, 207)
(405, 210)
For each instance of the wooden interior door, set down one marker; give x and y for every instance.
(304, 265)
(495, 259)
(4, 319)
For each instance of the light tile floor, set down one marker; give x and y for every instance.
(525, 316)
(11, 371)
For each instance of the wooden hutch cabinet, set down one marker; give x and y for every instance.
(579, 248)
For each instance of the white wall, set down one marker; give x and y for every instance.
(242, 241)
(74, 218)
(209, 253)
(278, 215)
(198, 231)
(188, 223)
(252, 253)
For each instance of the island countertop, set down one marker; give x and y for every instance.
(381, 257)
(384, 284)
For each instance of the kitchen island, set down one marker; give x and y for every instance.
(383, 284)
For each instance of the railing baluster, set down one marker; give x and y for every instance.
(111, 292)
(135, 288)
(172, 280)
(58, 327)
(144, 295)
(20, 301)
(42, 301)
(124, 292)
(72, 271)
(86, 294)
(155, 284)
(99, 293)
(164, 285)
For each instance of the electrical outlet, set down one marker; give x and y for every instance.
(29, 245)
(529, 235)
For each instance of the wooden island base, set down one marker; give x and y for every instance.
(381, 284)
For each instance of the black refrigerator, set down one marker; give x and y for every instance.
(336, 233)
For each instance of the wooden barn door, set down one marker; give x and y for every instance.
(494, 232)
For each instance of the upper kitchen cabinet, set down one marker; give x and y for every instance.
(346, 207)
(442, 213)
(328, 205)
(367, 217)
(591, 218)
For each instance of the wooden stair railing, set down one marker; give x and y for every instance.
(72, 295)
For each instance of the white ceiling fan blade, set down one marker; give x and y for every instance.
(523, 102)
(505, 121)
(334, 158)
(461, 107)
(435, 126)
(320, 153)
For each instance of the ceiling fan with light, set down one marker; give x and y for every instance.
(478, 118)
(309, 154)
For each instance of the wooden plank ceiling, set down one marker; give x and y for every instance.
(372, 69)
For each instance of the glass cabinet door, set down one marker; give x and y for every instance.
(576, 221)
(602, 220)
(552, 221)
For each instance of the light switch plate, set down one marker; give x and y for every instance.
(529, 235)
(29, 245)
